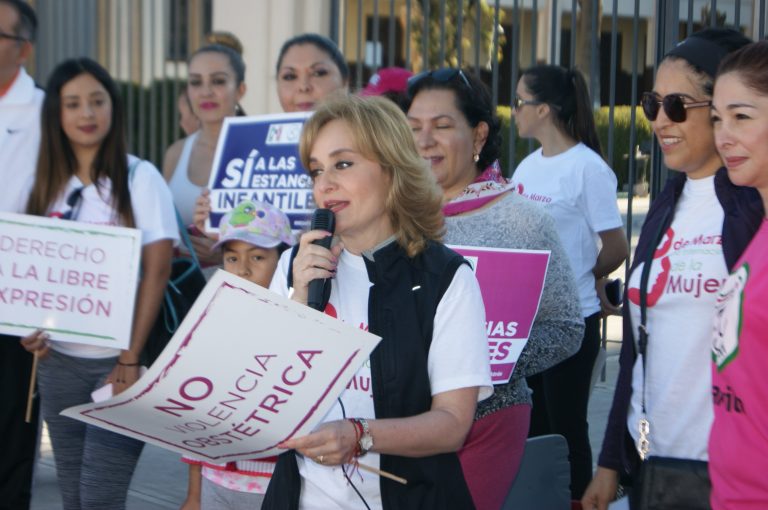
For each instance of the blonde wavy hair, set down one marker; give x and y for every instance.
(382, 134)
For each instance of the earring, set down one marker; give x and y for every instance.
(476, 157)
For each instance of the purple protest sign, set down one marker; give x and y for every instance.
(257, 158)
(511, 282)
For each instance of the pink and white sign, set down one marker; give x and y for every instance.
(75, 280)
(246, 370)
(511, 282)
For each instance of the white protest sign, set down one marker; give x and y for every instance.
(246, 370)
(75, 280)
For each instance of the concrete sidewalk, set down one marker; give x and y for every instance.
(160, 481)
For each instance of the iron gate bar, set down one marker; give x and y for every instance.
(494, 55)
(376, 39)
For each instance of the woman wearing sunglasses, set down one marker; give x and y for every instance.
(568, 177)
(738, 444)
(694, 232)
(458, 133)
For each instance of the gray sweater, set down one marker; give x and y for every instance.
(513, 222)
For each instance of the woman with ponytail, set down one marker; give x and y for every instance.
(568, 177)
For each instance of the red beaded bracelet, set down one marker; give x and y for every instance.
(358, 435)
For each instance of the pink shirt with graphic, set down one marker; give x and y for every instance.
(738, 444)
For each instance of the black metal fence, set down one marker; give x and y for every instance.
(615, 43)
(144, 44)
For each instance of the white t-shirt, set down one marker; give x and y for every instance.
(19, 141)
(153, 214)
(579, 190)
(458, 358)
(687, 272)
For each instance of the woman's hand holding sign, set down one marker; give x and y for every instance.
(37, 343)
(331, 444)
(123, 376)
(202, 213)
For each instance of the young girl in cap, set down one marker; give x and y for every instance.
(251, 236)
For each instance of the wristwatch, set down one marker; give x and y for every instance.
(366, 439)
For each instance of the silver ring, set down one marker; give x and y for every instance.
(320, 459)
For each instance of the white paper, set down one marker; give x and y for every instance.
(247, 370)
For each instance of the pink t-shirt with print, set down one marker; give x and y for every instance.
(738, 444)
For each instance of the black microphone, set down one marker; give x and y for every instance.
(322, 219)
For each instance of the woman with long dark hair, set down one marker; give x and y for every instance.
(568, 177)
(694, 233)
(85, 174)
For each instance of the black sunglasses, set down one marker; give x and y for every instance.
(444, 75)
(674, 106)
(72, 201)
(519, 102)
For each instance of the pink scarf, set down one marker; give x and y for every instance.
(487, 187)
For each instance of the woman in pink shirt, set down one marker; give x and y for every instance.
(738, 442)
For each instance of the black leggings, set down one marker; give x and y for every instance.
(19, 438)
(560, 400)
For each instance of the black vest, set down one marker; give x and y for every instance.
(401, 309)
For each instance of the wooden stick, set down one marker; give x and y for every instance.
(31, 393)
(382, 473)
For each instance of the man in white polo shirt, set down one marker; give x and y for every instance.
(20, 102)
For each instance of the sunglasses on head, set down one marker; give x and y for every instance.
(444, 75)
(674, 106)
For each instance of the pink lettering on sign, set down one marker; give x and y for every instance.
(78, 278)
(360, 383)
(276, 396)
(193, 390)
(84, 305)
(51, 249)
